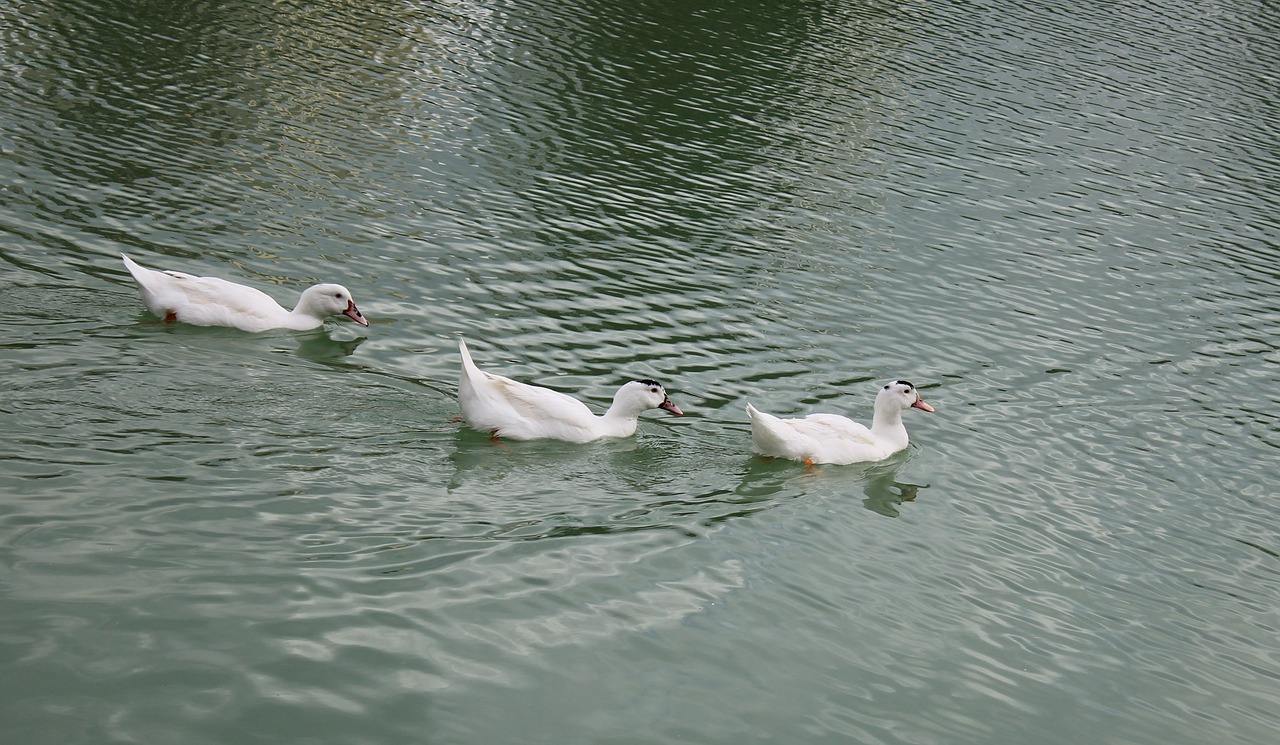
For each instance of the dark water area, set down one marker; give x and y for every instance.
(1059, 221)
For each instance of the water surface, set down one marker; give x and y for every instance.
(1059, 222)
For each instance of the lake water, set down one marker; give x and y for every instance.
(1060, 220)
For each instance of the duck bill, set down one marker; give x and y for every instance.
(668, 406)
(921, 405)
(354, 313)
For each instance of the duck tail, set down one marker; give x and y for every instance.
(759, 418)
(763, 432)
(469, 369)
(134, 267)
(466, 354)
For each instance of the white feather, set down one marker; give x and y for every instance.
(210, 301)
(508, 408)
(831, 438)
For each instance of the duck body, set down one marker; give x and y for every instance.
(210, 301)
(518, 411)
(838, 440)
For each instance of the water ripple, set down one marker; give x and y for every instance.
(1060, 223)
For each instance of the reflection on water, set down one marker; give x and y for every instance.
(546, 489)
(767, 478)
(884, 493)
(319, 346)
(1061, 219)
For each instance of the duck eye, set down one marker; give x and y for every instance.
(653, 390)
(338, 295)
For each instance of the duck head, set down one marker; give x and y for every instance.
(901, 395)
(642, 395)
(330, 300)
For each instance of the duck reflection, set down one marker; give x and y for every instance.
(884, 493)
(322, 348)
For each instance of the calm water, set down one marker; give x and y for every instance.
(1060, 220)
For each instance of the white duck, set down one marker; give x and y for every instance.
(506, 408)
(831, 438)
(209, 301)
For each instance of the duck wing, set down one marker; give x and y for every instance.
(535, 401)
(542, 412)
(509, 408)
(811, 437)
(832, 426)
(216, 302)
(205, 301)
(236, 298)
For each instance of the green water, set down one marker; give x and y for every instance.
(1059, 222)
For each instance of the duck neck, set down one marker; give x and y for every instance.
(620, 420)
(302, 321)
(303, 317)
(887, 427)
